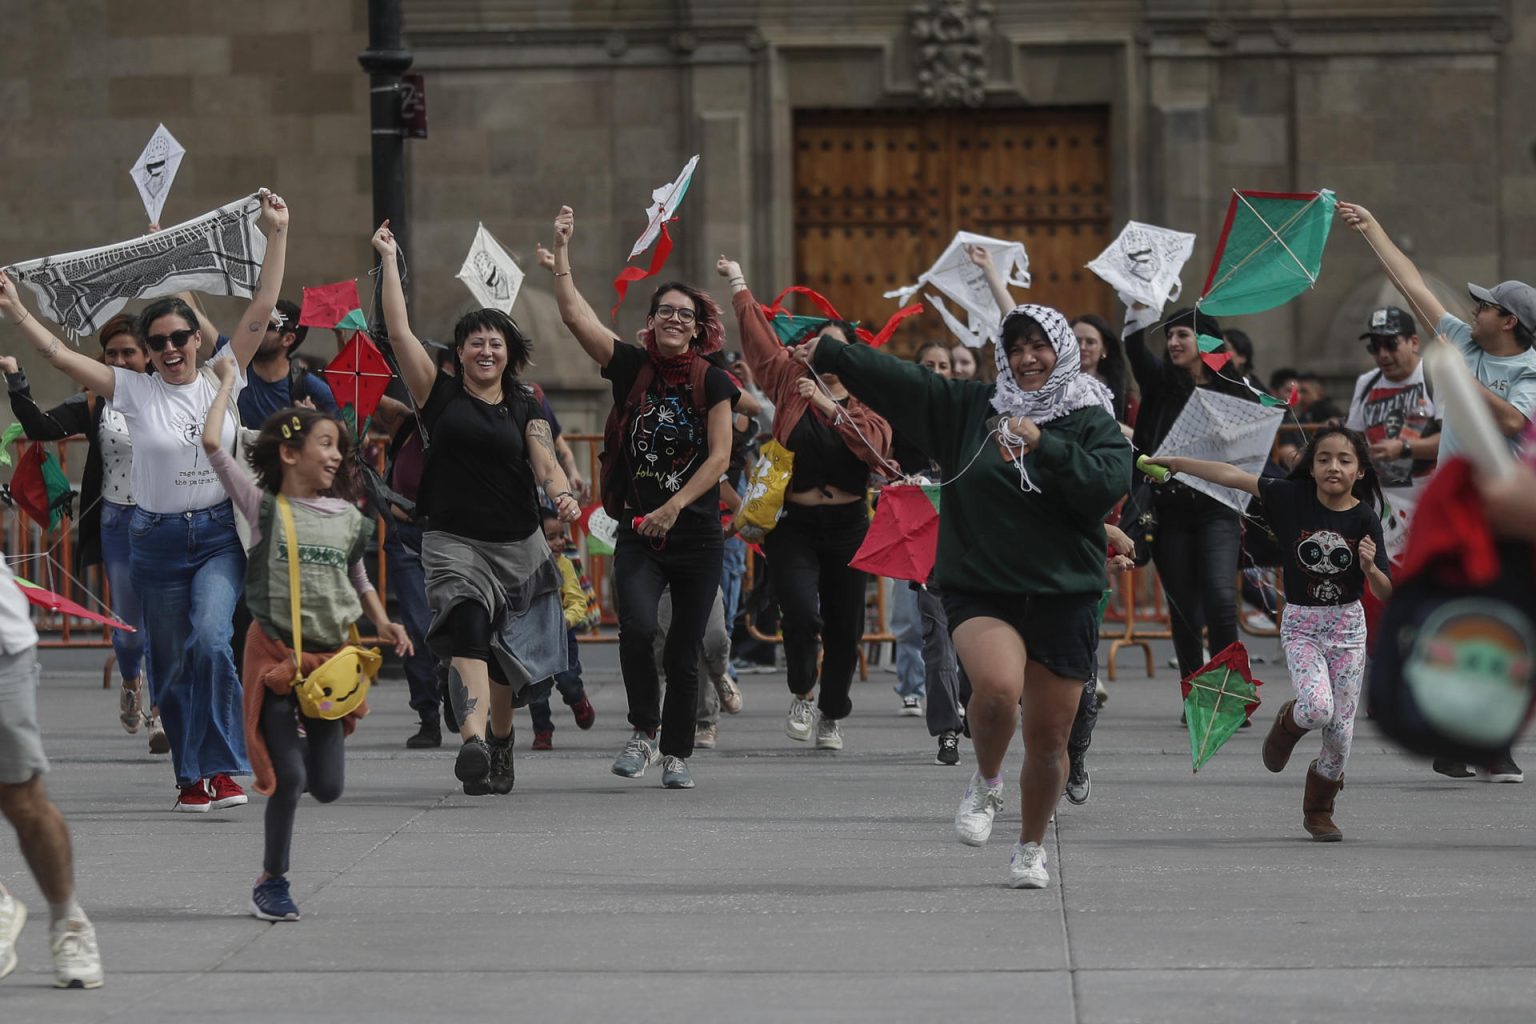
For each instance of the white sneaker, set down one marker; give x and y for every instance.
(1026, 868)
(802, 716)
(13, 916)
(76, 960)
(911, 707)
(828, 735)
(973, 821)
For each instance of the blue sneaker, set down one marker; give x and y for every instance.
(270, 901)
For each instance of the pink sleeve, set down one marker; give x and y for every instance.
(775, 370)
(358, 574)
(241, 488)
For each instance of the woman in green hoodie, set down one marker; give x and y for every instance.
(1034, 463)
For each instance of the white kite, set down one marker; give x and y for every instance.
(219, 253)
(964, 282)
(664, 203)
(1143, 264)
(1221, 428)
(490, 274)
(155, 170)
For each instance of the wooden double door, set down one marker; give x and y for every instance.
(879, 194)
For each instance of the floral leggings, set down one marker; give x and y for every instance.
(1325, 651)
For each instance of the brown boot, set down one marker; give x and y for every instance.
(1282, 738)
(1317, 806)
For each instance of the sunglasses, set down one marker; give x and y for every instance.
(1375, 345)
(178, 339)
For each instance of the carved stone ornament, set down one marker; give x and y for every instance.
(951, 60)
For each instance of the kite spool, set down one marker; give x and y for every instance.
(1156, 472)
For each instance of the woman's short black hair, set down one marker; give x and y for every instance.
(1016, 325)
(171, 306)
(519, 345)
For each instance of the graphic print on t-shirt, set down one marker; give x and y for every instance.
(1323, 555)
(665, 441)
(1397, 412)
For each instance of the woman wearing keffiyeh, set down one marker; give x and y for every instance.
(1033, 464)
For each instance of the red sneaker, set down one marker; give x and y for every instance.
(585, 715)
(225, 792)
(543, 741)
(193, 799)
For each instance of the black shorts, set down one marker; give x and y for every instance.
(1060, 631)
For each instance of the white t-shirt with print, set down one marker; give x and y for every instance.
(1404, 410)
(171, 473)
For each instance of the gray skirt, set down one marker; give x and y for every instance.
(518, 584)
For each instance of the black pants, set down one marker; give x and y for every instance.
(1196, 552)
(687, 561)
(948, 688)
(317, 763)
(822, 599)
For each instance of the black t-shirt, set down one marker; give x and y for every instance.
(1318, 545)
(667, 438)
(822, 459)
(477, 482)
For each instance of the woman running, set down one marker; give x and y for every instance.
(1034, 463)
(106, 503)
(668, 444)
(1324, 517)
(837, 442)
(493, 585)
(187, 562)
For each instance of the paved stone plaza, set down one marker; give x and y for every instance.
(790, 884)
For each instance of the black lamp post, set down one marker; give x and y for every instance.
(385, 60)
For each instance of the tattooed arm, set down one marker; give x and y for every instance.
(546, 470)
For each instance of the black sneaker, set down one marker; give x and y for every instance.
(473, 767)
(1078, 784)
(1503, 769)
(429, 735)
(1452, 769)
(501, 776)
(949, 749)
(445, 703)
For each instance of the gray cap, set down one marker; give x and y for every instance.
(1516, 296)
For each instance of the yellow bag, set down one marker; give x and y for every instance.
(763, 501)
(338, 687)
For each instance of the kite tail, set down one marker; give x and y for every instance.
(631, 274)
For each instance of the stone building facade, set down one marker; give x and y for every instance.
(1416, 108)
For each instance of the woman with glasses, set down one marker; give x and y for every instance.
(838, 441)
(187, 562)
(668, 444)
(492, 583)
(106, 502)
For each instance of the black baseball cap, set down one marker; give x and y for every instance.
(1389, 322)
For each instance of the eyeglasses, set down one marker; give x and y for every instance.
(178, 339)
(1483, 306)
(1377, 344)
(684, 315)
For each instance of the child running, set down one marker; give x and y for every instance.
(1324, 518)
(303, 456)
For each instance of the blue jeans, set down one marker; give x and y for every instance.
(732, 568)
(907, 628)
(568, 683)
(402, 552)
(189, 568)
(127, 647)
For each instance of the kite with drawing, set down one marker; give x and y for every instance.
(958, 277)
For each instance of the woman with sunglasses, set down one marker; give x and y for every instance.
(838, 441)
(492, 583)
(106, 502)
(673, 445)
(187, 562)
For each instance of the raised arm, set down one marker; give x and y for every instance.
(546, 470)
(580, 319)
(206, 328)
(87, 372)
(417, 369)
(774, 370)
(242, 490)
(978, 255)
(253, 325)
(1216, 472)
(1398, 266)
(72, 416)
